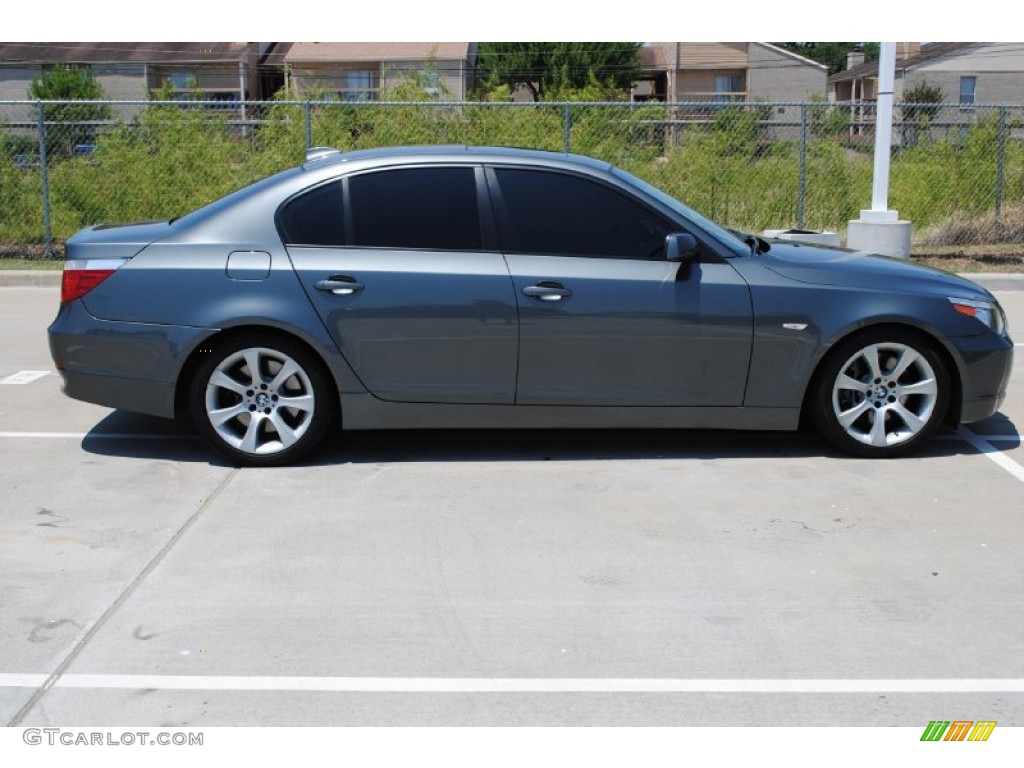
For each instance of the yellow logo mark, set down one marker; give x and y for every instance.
(982, 730)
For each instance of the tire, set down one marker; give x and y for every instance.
(264, 417)
(881, 394)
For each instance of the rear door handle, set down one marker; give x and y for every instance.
(547, 291)
(339, 285)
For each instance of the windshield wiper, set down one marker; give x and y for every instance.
(757, 245)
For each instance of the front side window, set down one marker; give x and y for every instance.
(968, 85)
(423, 208)
(558, 213)
(314, 218)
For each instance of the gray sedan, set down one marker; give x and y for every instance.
(465, 287)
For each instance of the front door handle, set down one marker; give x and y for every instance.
(547, 291)
(340, 285)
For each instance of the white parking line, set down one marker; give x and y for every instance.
(990, 438)
(17, 680)
(24, 377)
(520, 685)
(97, 436)
(983, 446)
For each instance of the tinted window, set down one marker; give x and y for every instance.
(431, 208)
(315, 218)
(558, 213)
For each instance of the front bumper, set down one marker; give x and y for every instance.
(986, 362)
(133, 366)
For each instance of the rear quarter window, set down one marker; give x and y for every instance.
(316, 217)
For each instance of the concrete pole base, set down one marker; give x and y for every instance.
(889, 238)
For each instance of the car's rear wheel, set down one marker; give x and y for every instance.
(882, 393)
(260, 401)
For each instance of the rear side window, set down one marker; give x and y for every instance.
(558, 213)
(314, 218)
(430, 208)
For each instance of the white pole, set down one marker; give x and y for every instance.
(883, 127)
(241, 83)
(880, 230)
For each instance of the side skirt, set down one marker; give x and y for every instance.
(362, 412)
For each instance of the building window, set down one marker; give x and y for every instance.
(728, 87)
(181, 81)
(47, 68)
(225, 99)
(360, 85)
(968, 85)
(431, 79)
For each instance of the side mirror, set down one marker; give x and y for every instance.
(680, 247)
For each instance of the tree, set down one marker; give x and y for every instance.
(825, 120)
(920, 106)
(75, 122)
(921, 100)
(544, 68)
(832, 55)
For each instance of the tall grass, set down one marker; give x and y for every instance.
(172, 159)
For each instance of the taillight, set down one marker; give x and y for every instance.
(82, 275)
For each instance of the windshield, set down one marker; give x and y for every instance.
(670, 202)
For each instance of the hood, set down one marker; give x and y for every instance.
(824, 265)
(116, 241)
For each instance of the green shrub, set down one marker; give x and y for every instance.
(74, 122)
(174, 157)
(21, 206)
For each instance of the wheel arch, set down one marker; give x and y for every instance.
(195, 357)
(952, 415)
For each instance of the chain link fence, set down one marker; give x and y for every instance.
(957, 172)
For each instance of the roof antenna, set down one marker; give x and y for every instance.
(316, 153)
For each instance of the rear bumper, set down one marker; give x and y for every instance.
(153, 397)
(133, 366)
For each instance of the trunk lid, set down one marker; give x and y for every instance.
(116, 241)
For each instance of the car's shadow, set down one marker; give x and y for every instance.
(137, 436)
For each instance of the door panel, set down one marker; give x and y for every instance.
(628, 333)
(418, 303)
(424, 326)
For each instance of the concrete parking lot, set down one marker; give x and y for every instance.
(497, 578)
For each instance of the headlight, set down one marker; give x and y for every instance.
(986, 312)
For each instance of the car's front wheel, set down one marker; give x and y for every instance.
(881, 394)
(260, 401)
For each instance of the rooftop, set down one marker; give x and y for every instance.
(336, 52)
(85, 53)
(929, 51)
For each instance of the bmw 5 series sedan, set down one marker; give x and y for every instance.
(465, 287)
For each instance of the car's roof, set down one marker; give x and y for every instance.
(250, 203)
(454, 152)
